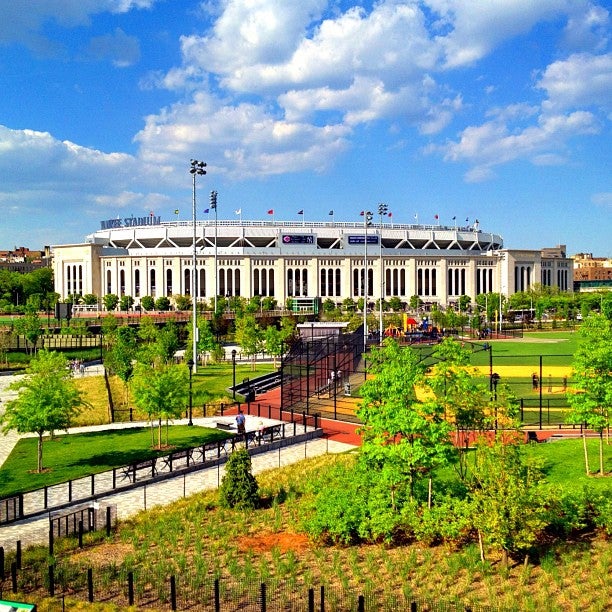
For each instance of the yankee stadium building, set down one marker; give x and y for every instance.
(145, 256)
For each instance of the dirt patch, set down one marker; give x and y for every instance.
(104, 554)
(265, 542)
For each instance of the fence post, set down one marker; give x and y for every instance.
(45, 497)
(18, 555)
(263, 597)
(90, 590)
(93, 485)
(217, 598)
(173, 592)
(1, 562)
(322, 606)
(131, 588)
(50, 539)
(108, 521)
(413, 606)
(51, 581)
(311, 606)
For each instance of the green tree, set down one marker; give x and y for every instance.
(147, 302)
(120, 356)
(167, 342)
(30, 327)
(162, 303)
(161, 393)
(182, 302)
(349, 305)
(110, 301)
(90, 299)
(591, 398)
(249, 337)
(395, 303)
(510, 501)
(47, 399)
(239, 488)
(415, 302)
(273, 342)
(126, 302)
(464, 302)
(403, 438)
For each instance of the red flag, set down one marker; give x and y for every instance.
(390, 214)
(436, 217)
(271, 211)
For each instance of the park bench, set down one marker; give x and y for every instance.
(269, 434)
(184, 455)
(130, 472)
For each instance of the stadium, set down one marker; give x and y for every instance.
(304, 261)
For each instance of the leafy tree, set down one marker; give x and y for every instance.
(510, 503)
(110, 301)
(6, 341)
(110, 325)
(349, 305)
(403, 438)
(29, 326)
(415, 302)
(161, 392)
(395, 303)
(464, 401)
(464, 302)
(591, 398)
(162, 303)
(273, 341)
(47, 399)
(121, 355)
(182, 302)
(249, 337)
(147, 302)
(126, 302)
(239, 488)
(167, 342)
(269, 303)
(90, 299)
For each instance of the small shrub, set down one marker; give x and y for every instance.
(239, 489)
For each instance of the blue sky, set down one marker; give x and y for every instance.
(498, 111)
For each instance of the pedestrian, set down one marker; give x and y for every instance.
(550, 383)
(535, 381)
(564, 384)
(241, 422)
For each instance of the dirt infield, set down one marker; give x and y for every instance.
(523, 371)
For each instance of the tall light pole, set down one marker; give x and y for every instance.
(213, 206)
(190, 366)
(197, 169)
(367, 220)
(383, 209)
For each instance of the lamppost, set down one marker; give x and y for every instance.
(383, 209)
(197, 169)
(367, 220)
(213, 206)
(190, 366)
(234, 374)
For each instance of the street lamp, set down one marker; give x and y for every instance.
(190, 365)
(383, 209)
(213, 206)
(367, 220)
(234, 374)
(197, 169)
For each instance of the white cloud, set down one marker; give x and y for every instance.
(588, 29)
(582, 80)
(470, 30)
(492, 143)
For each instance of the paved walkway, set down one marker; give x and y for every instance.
(36, 531)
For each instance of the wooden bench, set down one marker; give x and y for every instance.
(186, 454)
(269, 434)
(130, 472)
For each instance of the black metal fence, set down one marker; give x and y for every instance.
(155, 589)
(88, 488)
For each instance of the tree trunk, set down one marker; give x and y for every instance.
(159, 434)
(39, 460)
(586, 454)
(601, 454)
(480, 546)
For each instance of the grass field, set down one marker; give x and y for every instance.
(68, 457)
(197, 540)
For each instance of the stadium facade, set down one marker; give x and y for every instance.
(140, 256)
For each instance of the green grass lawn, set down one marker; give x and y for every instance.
(68, 457)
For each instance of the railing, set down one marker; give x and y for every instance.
(93, 486)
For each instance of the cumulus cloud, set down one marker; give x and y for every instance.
(582, 80)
